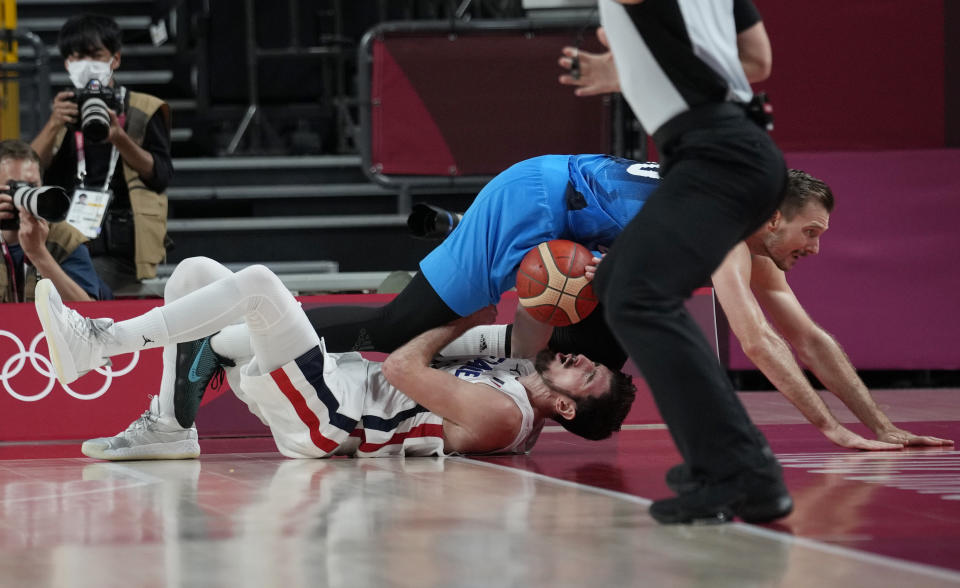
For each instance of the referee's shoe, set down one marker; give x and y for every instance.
(754, 496)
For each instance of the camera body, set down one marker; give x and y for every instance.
(95, 102)
(50, 203)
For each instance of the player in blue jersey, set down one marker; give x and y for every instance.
(584, 198)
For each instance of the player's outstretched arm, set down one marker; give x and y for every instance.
(528, 335)
(824, 356)
(477, 417)
(735, 281)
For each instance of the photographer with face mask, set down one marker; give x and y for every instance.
(32, 247)
(110, 149)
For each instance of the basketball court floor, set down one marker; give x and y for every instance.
(572, 513)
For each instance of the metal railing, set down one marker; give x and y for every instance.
(34, 74)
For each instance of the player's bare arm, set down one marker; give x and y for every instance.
(528, 335)
(733, 282)
(477, 418)
(824, 356)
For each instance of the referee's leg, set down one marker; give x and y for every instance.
(702, 208)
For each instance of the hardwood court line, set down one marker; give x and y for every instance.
(864, 556)
(59, 495)
(828, 548)
(611, 493)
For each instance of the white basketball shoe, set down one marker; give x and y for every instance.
(152, 436)
(74, 341)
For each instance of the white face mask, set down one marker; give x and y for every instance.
(84, 70)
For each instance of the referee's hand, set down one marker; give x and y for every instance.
(591, 73)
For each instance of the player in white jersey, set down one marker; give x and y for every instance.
(317, 403)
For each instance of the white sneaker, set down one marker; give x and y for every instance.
(151, 436)
(73, 341)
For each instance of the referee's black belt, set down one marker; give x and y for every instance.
(698, 117)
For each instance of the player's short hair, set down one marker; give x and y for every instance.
(801, 189)
(86, 33)
(598, 417)
(17, 149)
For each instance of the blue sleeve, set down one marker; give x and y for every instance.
(79, 267)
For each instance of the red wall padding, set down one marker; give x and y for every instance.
(476, 103)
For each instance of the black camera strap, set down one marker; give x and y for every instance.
(82, 163)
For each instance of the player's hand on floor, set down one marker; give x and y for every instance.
(898, 435)
(844, 437)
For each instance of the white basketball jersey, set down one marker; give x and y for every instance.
(325, 404)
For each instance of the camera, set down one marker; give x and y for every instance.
(431, 222)
(760, 111)
(95, 102)
(50, 203)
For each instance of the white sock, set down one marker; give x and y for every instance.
(482, 340)
(233, 342)
(146, 331)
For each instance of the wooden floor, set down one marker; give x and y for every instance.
(573, 513)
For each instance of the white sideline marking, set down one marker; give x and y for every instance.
(786, 538)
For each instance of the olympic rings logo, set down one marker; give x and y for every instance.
(16, 362)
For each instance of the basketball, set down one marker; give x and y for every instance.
(551, 283)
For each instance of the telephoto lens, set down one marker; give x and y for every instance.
(50, 203)
(95, 102)
(95, 120)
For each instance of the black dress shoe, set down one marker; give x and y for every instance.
(680, 480)
(755, 498)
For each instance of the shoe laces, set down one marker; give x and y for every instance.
(88, 329)
(219, 376)
(78, 323)
(146, 419)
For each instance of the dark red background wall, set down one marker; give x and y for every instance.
(859, 74)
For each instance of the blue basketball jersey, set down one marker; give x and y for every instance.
(584, 198)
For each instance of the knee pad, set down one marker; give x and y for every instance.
(258, 280)
(191, 274)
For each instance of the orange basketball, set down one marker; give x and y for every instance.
(551, 284)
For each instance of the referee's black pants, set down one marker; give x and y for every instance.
(722, 178)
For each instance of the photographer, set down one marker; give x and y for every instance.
(37, 248)
(123, 176)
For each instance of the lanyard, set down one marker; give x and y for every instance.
(11, 270)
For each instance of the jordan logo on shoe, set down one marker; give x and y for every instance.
(483, 343)
(145, 340)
